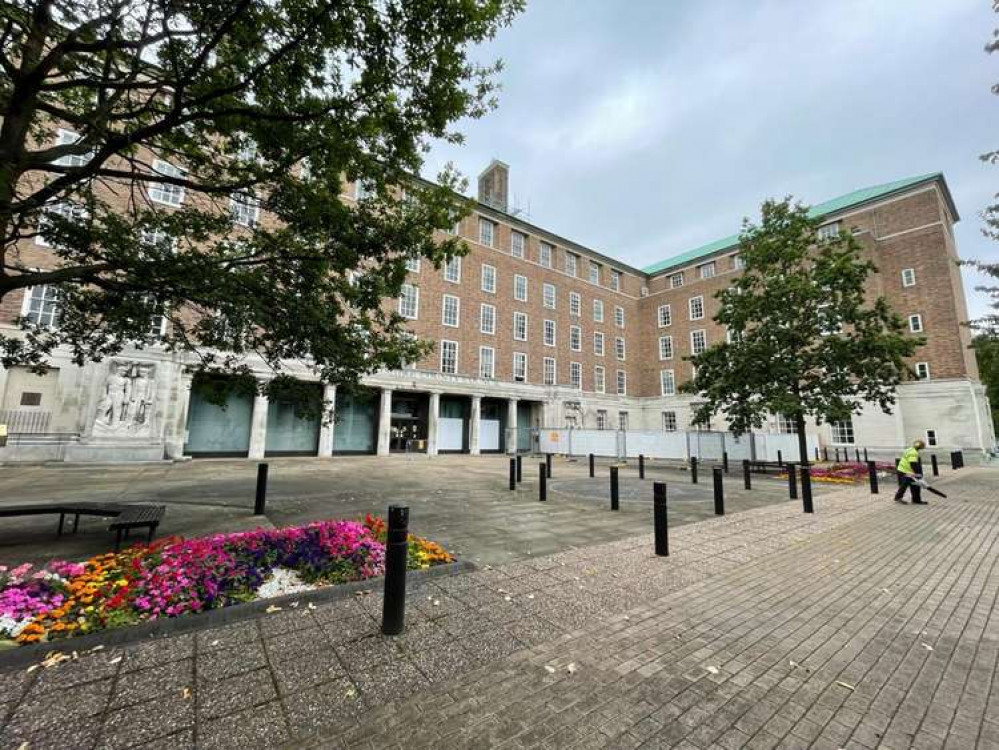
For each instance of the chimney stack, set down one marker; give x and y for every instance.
(494, 185)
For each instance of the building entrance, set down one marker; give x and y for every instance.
(409, 423)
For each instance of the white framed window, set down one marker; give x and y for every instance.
(570, 263)
(451, 311)
(520, 367)
(601, 418)
(738, 263)
(665, 347)
(487, 232)
(245, 209)
(598, 311)
(71, 212)
(706, 270)
(786, 425)
(548, 296)
(487, 362)
(828, 231)
(594, 273)
(615, 280)
(576, 338)
(842, 431)
(676, 280)
(41, 305)
(449, 357)
(488, 279)
(599, 380)
(923, 370)
(619, 348)
(598, 343)
(545, 252)
(916, 323)
(452, 270)
(520, 288)
(622, 421)
(157, 326)
(68, 138)
(157, 239)
(487, 319)
(575, 304)
(695, 307)
(667, 382)
(619, 317)
(549, 333)
(698, 341)
(908, 277)
(576, 375)
(669, 421)
(520, 326)
(161, 192)
(549, 371)
(931, 437)
(665, 316)
(828, 322)
(413, 265)
(409, 301)
(518, 244)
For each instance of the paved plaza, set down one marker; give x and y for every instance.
(461, 501)
(867, 625)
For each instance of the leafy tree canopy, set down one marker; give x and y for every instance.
(231, 105)
(803, 338)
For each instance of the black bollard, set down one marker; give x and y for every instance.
(261, 501)
(806, 490)
(857, 452)
(548, 464)
(953, 460)
(898, 474)
(725, 461)
(837, 455)
(591, 466)
(825, 453)
(520, 472)
(865, 455)
(513, 474)
(719, 490)
(780, 460)
(816, 453)
(542, 482)
(641, 466)
(396, 550)
(872, 475)
(746, 479)
(693, 470)
(792, 481)
(934, 465)
(659, 520)
(613, 488)
(960, 459)
(917, 491)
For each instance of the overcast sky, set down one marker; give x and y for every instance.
(642, 129)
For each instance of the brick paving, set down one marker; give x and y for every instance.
(868, 625)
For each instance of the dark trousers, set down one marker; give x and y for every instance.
(906, 483)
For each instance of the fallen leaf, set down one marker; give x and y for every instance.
(530, 596)
(96, 648)
(214, 643)
(294, 604)
(928, 647)
(550, 669)
(437, 602)
(350, 693)
(32, 668)
(312, 606)
(272, 609)
(571, 668)
(186, 693)
(23, 746)
(626, 617)
(793, 664)
(115, 660)
(851, 688)
(507, 598)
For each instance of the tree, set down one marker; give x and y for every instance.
(186, 160)
(987, 353)
(802, 339)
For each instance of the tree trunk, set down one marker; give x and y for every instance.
(799, 424)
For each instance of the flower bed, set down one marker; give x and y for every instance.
(844, 473)
(174, 577)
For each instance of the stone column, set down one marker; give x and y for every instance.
(258, 426)
(385, 422)
(473, 425)
(433, 415)
(177, 425)
(325, 449)
(511, 426)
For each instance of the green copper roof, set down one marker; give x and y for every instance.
(843, 202)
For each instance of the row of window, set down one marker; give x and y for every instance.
(695, 311)
(572, 262)
(487, 368)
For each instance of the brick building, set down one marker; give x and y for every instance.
(532, 330)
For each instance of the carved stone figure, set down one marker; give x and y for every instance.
(125, 407)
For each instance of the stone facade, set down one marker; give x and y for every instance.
(136, 406)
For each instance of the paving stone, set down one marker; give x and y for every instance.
(260, 726)
(170, 678)
(143, 722)
(221, 664)
(327, 707)
(236, 693)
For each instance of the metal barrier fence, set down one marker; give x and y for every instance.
(25, 421)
